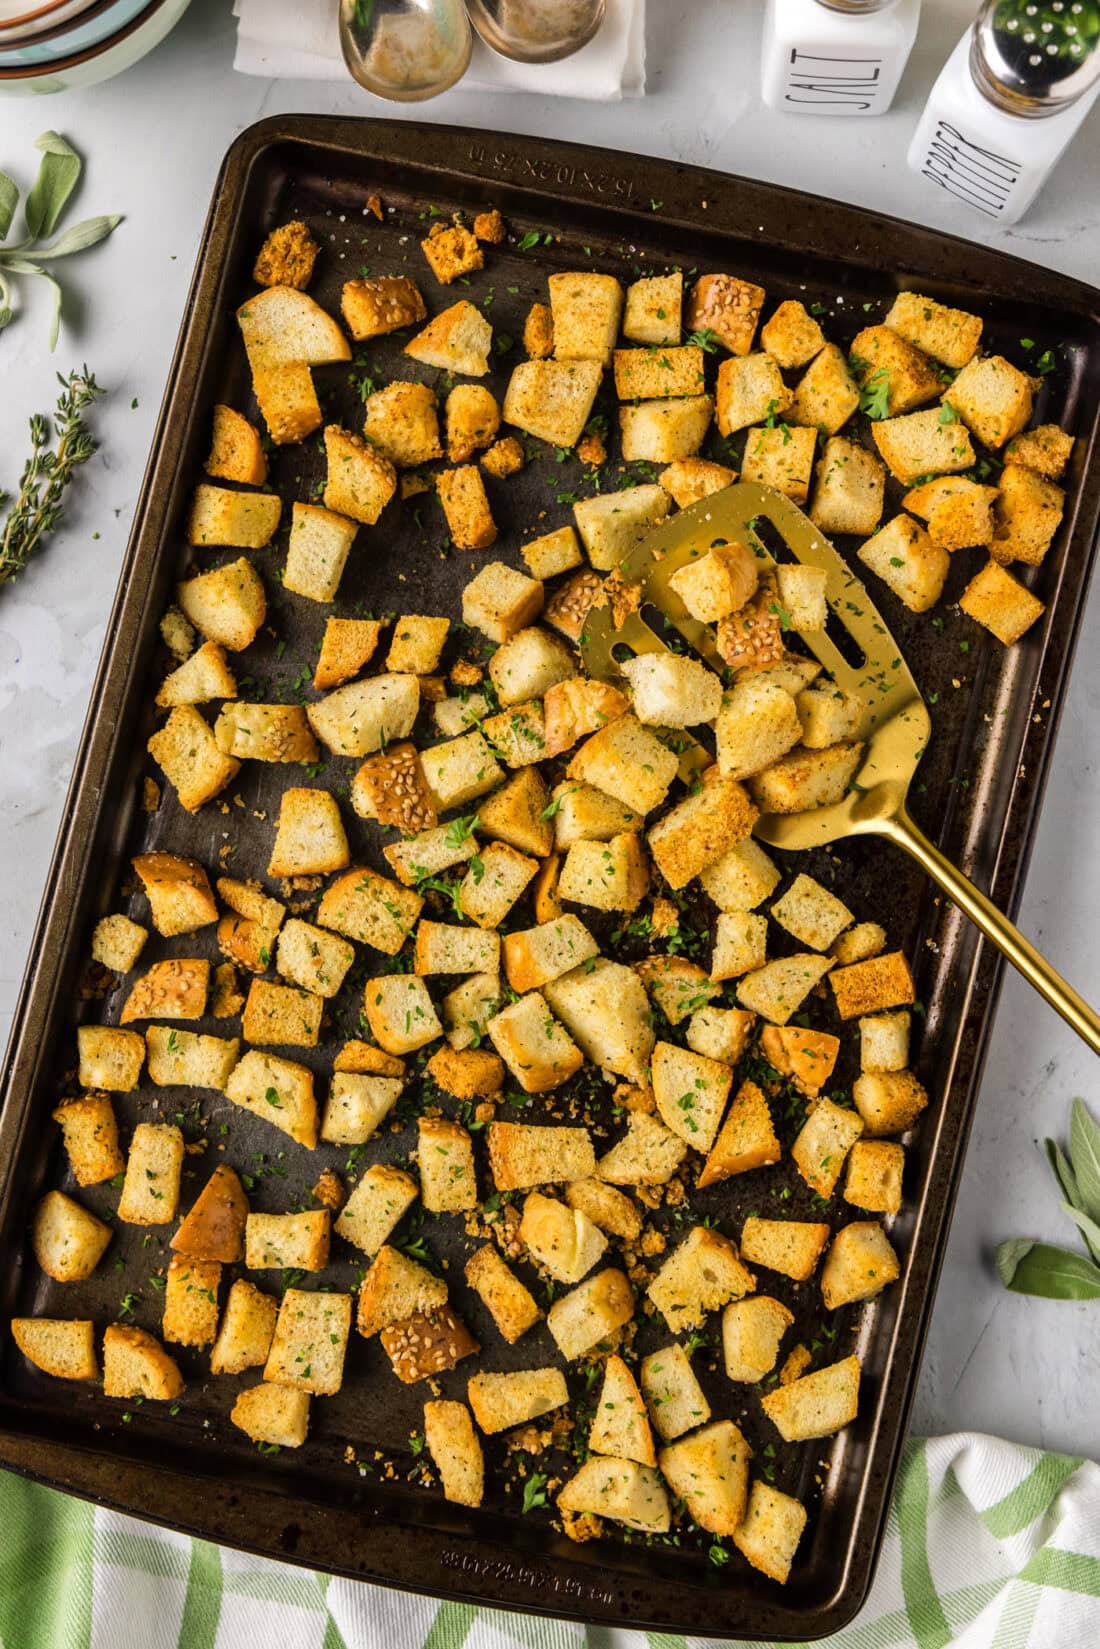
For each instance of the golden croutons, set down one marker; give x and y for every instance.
(460, 770)
(660, 432)
(456, 340)
(358, 1103)
(728, 307)
(445, 1155)
(265, 733)
(466, 507)
(246, 934)
(118, 942)
(400, 1013)
(68, 1240)
(651, 374)
(923, 443)
(560, 1239)
(516, 814)
(720, 1033)
(429, 1343)
(757, 723)
(740, 944)
(240, 520)
(442, 947)
(552, 400)
(884, 365)
(109, 1058)
(1045, 449)
(791, 1247)
(428, 853)
(309, 835)
(377, 1203)
(865, 940)
(629, 762)
(859, 1265)
(848, 489)
(503, 1401)
(826, 395)
(527, 664)
(288, 402)
(313, 959)
(281, 1014)
(782, 458)
(523, 1154)
(823, 1142)
(993, 398)
(603, 1004)
(401, 420)
(283, 327)
(214, 1228)
(310, 1342)
(709, 1471)
(537, 955)
(204, 676)
(57, 1346)
(287, 1241)
(590, 1314)
(869, 987)
(366, 715)
(718, 583)
(888, 1101)
(620, 1425)
(1026, 515)
(586, 309)
(746, 1139)
(690, 1093)
(456, 1453)
(555, 552)
(183, 1059)
(905, 557)
(806, 779)
(226, 605)
(364, 1058)
(137, 1365)
(151, 1188)
(317, 553)
(950, 336)
(671, 690)
(611, 875)
(700, 1275)
(610, 524)
(884, 1042)
(235, 450)
(801, 593)
(347, 645)
(275, 1416)
(360, 482)
(652, 312)
(1001, 603)
(536, 1048)
(779, 988)
(875, 1168)
(452, 251)
(769, 1533)
(500, 600)
(473, 418)
(958, 511)
(621, 1490)
(286, 257)
(391, 787)
(792, 335)
(648, 1154)
(90, 1135)
(673, 1395)
(178, 890)
(817, 1405)
(490, 227)
(751, 1332)
(512, 1306)
(374, 307)
(191, 1301)
(538, 332)
(750, 389)
(278, 1090)
(676, 986)
(568, 609)
(244, 1338)
(689, 480)
(394, 1289)
(812, 914)
(613, 1211)
(806, 1056)
(187, 753)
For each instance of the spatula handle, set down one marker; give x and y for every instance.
(997, 929)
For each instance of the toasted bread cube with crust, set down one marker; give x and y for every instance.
(675, 985)
(823, 1143)
(276, 1416)
(445, 1154)
(473, 418)
(865, 940)
(311, 958)
(427, 853)
(828, 716)
(567, 611)
(187, 753)
(718, 583)
(1001, 603)
(720, 1033)
(287, 399)
(792, 335)
(283, 327)
(527, 663)
(320, 541)
(888, 1101)
(782, 458)
(151, 1189)
(364, 1059)
(689, 480)
(826, 395)
(710, 1472)
(441, 947)
(68, 1240)
(881, 358)
(537, 955)
(552, 400)
(522, 1155)
(518, 734)
(742, 878)
(241, 520)
(368, 907)
(872, 986)
(1045, 449)
(905, 557)
(235, 450)
(653, 308)
(728, 307)
(538, 332)
(958, 511)
(629, 762)
(466, 507)
(757, 723)
(806, 779)
(590, 1314)
(806, 1056)
(812, 914)
(378, 1202)
(287, 1241)
(214, 1228)
(610, 524)
(515, 814)
(660, 432)
(750, 389)
(620, 1426)
(611, 875)
(400, 1013)
(751, 1332)
(779, 988)
(90, 1135)
(278, 1090)
(486, 898)
(562, 1240)
(921, 443)
(574, 708)
(1027, 514)
(690, 1093)
(621, 1490)
(109, 1058)
(611, 1210)
(247, 1326)
(191, 1301)
(669, 690)
(884, 1042)
(791, 1247)
(394, 1289)
(536, 1048)
(137, 1365)
(460, 770)
(453, 1445)
(176, 989)
(372, 308)
(309, 836)
(849, 487)
(182, 1059)
(769, 1533)
(950, 336)
(859, 1265)
(500, 601)
(585, 310)
(746, 1139)
(468, 1009)
(226, 605)
(62, 1348)
(606, 1009)
(204, 676)
(648, 1154)
(357, 1105)
(512, 1307)
(650, 374)
(281, 1014)
(698, 1277)
(310, 1342)
(583, 813)
(875, 1168)
(503, 1401)
(347, 645)
(265, 733)
(740, 944)
(802, 596)
(673, 1395)
(360, 481)
(555, 552)
(993, 398)
(817, 1405)
(456, 340)
(452, 251)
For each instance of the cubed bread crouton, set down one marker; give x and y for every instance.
(456, 340)
(583, 813)
(274, 1416)
(518, 734)
(720, 1033)
(620, 1425)
(727, 307)
(757, 723)
(676, 986)
(151, 1188)
(806, 1056)
(791, 1247)
(613, 1211)
(806, 779)
(781, 457)
(247, 1326)
(751, 640)
(888, 1101)
(1001, 603)
(452, 251)
(828, 716)
(283, 327)
(68, 1240)
(875, 1168)
(522, 1155)
(468, 1009)
(366, 1060)
(817, 1405)
(568, 609)
(442, 947)
(456, 1453)
(241, 520)
(265, 733)
(610, 524)
(176, 989)
(278, 1090)
(555, 552)
(950, 336)
(585, 309)
(358, 1103)
(182, 1059)
(751, 1332)
(671, 690)
(792, 335)
(187, 753)
(429, 1343)
(779, 988)
(653, 306)
(606, 1009)
(826, 395)
(650, 374)
(469, 516)
(503, 1401)
(811, 913)
(537, 955)
(500, 601)
(611, 875)
(746, 1139)
(288, 1241)
(65, 1349)
(396, 1288)
(137, 1365)
(849, 487)
(750, 389)
(360, 481)
(552, 400)
(226, 605)
(386, 303)
(884, 1042)
(511, 1305)
(90, 1136)
(204, 676)
(742, 878)
(527, 663)
(473, 418)
(795, 1364)
(191, 1301)
(445, 1155)
(1045, 449)
(869, 987)
(958, 511)
(214, 1227)
(823, 1142)
(574, 708)
(801, 593)
(660, 432)
(901, 375)
(740, 944)
(504, 458)
(309, 836)
(248, 931)
(865, 940)
(117, 942)
(310, 1341)
(538, 332)
(235, 450)
(347, 645)
(993, 398)
(490, 226)
(923, 443)
(286, 257)
(460, 770)
(1027, 514)
(718, 583)
(648, 1154)
(690, 1093)
(402, 421)
(537, 1049)
(287, 399)
(770, 1531)
(372, 909)
(109, 1057)
(790, 671)
(281, 1014)
(621, 1490)
(859, 1265)
(563, 1240)
(698, 1277)
(689, 480)
(590, 1314)
(905, 557)
(710, 1472)
(400, 1013)
(378, 1202)
(516, 814)
(629, 762)
(428, 853)
(673, 1395)
(312, 959)
(493, 884)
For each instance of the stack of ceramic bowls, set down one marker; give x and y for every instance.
(47, 45)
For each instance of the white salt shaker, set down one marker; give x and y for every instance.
(1008, 101)
(836, 57)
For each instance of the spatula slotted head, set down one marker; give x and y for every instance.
(895, 724)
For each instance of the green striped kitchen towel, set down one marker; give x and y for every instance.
(989, 1546)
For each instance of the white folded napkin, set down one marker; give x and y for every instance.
(293, 40)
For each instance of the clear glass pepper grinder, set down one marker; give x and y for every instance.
(405, 50)
(836, 57)
(536, 31)
(1008, 102)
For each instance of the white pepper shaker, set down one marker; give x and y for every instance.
(836, 57)
(1008, 102)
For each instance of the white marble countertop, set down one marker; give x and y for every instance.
(153, 140)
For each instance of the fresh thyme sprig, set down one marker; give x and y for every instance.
(37, 508)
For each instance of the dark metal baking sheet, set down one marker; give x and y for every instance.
(993, 714)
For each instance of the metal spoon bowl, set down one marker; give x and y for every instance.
(405, 50)
(536, 31)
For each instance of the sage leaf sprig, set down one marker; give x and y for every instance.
(1029, 1267)
(37, 507)
(58, 175)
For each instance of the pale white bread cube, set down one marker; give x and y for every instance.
(247, 1326)
(68, 1240)
(275, 1416)
(770, 1530)
(265, 732)
(527, 663)
(456, 715)
(818, 1405)
(583, 813)
(621, 1490)
(888, 1101)
(848, 489)
(522, 1155)
(611, 875)
(710, 1472)
(811, 913)
(757, 724)
(204, 676)
(629, 762)
(586, 308)
(620, 1425)
(178, 1058)
(468, 1009)
(552, 400)
(500, 600)
(456, 1453)
(791, 1247)
(502, 1401)
(441, 947)
(365, 906)
(751, 1332)
(742, 878)
(828, 715)
(791, 672)
(860, 1264)
(611, 523)
(536, 1048)
(296, 1242)
(366, 715)
(109, 1058)
(553, 553)
(377, 1203)
(357, 1105)
(920, 444)
(660, 432)
(802, 596)
(676, 986)
(718, 582)
(590, 1314)
(309, 835)
(806, 779)
(312, 958)
(320, 541)
(720, 1033)
(226, 605)
(823, 1143)
(445, 1157)
(562, 1240)
(511, 1305)
(535, 956)
(690, 1092)
(859, 944)
(648, 1153)
(740, 944)
(400, 1013)
(310, 1342)
(653, 309)
(281, 326)
(884, 1041)
(151, 1188)
(702, 1274)
(671, 690)
(779, 988)
(493, 884)
(457, 340)
(460, 770)
(613, 1211)
(673, 1395)
(606, 1010)
(905, 557)
(750, 390)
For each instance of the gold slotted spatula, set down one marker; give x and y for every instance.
(895, 726)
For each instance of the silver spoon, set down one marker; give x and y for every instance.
(536, 31)
(405, 50)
